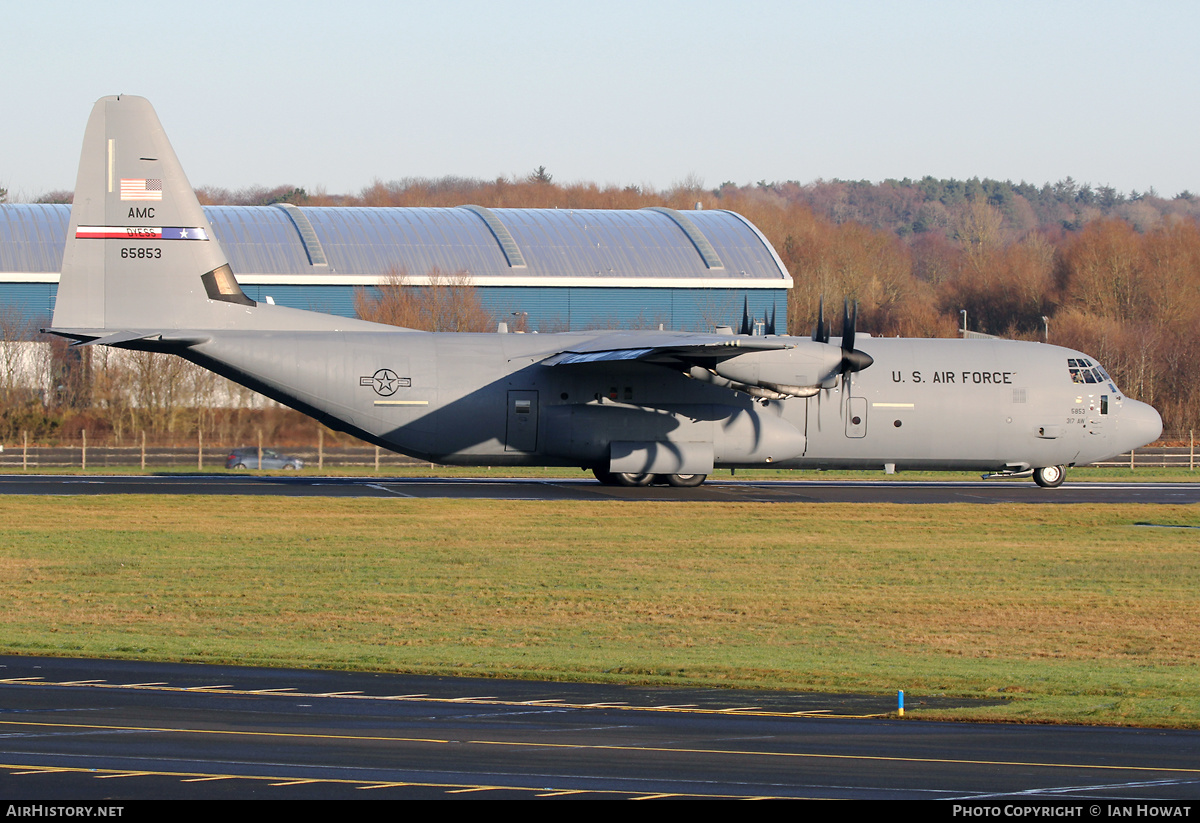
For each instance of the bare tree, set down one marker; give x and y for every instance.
(447, 303)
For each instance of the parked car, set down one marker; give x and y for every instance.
(247, 458)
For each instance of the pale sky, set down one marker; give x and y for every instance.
(335, 95)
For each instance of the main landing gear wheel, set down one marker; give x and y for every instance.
(1050, 477)
(622, 478)
(685, 481)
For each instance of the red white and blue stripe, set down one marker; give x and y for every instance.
(140, 233)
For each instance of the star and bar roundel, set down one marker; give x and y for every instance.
(385, 382)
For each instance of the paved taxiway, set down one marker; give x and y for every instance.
(79, 730)
(572, 489)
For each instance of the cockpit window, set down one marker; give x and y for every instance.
(1081, 370)
(1085, 371)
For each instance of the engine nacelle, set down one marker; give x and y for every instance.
(787, 371)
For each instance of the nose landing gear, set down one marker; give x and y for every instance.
(1050, 477)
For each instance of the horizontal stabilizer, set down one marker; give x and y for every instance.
(119, 337)
(167, 338)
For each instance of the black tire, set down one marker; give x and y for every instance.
(240, 466)
(290, 467)
(1050, 477)
(685, 481)
(622, 478)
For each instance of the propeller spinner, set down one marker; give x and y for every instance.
(852, 359)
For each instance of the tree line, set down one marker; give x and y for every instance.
(1114, 275)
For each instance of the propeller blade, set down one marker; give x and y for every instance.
(820, 331)
(852, 359)
(849, 322)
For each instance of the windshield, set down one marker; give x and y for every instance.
(1085, 371)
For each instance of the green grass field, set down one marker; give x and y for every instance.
(1078, 613)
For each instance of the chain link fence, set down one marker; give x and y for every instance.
(200, 458)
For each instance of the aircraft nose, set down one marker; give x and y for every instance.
(1140, 424)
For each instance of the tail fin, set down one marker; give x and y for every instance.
(140, 252)
(141, 258)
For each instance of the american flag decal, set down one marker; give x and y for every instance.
(141, 189)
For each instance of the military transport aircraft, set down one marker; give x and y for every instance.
(142, 270)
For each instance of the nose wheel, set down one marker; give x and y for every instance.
(1050, 477)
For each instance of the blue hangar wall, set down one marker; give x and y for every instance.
(566, 269)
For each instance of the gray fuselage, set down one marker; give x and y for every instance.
(484, 399)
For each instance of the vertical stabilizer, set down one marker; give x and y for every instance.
(140, 252)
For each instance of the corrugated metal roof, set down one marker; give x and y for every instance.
(711, 259)
(308, 236)
(32, 237)
(617, 248)
(508, 244)
(258, 239)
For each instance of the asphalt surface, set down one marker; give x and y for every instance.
(577, 489)
(79, 730)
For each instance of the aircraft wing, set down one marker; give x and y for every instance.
(768, 367)
(664, 349)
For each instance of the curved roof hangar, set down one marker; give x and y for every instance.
(285, 244)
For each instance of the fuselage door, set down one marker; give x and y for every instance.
(856, 417)
(521, 434)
